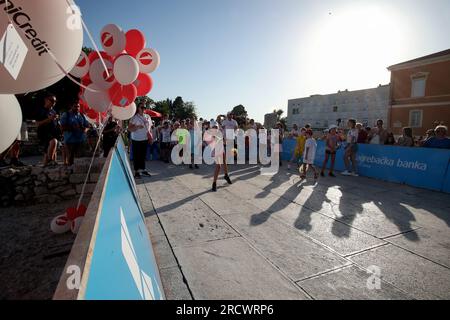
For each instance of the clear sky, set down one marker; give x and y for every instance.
(260, 53)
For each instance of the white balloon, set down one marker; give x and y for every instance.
(113, 39)
(98, 99)
(126, 69)
(60, 224)
(98, 74)
(11, 116)
(42, 25)
(82, 67)
(148, 60)
(124, 113)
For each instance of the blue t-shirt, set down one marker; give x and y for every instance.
(77, 124)
(437, 143)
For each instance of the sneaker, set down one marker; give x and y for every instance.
(289, 167)
(146, 173)
(322, 174)
(214, 187)
(346, 173)
(137, 175)
(227, 178)
(197, 167)
(331, 174)
(191, 167)
(354, 174)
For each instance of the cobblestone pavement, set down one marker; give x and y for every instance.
(279, 238)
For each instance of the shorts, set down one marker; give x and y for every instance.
(23, 134)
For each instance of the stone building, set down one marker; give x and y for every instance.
(322, 111)
(420, 93)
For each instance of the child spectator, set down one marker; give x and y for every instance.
(330, 150)
(309, 155)
(299, 149)
(351, 149)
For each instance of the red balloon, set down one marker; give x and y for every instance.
(92, 114)
(122, 96)
(73, 213)
(86, 81)
(94, 56)
(144, 84)
(135, 42)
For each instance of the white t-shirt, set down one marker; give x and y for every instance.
(166, 135)
(311, 145)
(352, 136)
(229, 125)
(141, 134)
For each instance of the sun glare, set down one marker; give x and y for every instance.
(352, 47)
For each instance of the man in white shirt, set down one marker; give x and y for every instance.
(229, 124)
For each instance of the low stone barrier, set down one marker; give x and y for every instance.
(37, 185)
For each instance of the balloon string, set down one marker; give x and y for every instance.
(95, 46)
(83, 189)
(55, 60)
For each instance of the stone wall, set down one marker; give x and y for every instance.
(36, 185)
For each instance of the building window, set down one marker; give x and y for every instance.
(415, 118)
(418, 87)
(335, 109)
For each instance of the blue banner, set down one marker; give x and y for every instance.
(123, 264)
(419, 167)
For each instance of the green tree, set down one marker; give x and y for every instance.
(163, 106)
(239, 111)
(149, 103)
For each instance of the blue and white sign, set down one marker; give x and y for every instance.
(419, 167)
(123, 264)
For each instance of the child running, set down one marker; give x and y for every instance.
(330, 150)
(299, 149)
(309, 155)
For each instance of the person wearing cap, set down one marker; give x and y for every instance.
(218, 153)
(331, 144)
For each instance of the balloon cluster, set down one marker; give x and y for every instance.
(71, 220)
(114, 83)
(53, 50)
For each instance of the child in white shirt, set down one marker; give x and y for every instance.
(309, 155)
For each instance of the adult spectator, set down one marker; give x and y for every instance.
(362, 133)
(229, 125)
(154, 146)
(378, 135)
(141, 136)
(390, 141)
(165, 135)
(406, 140)
(440, 141)
(110, 135)
(49, 129)
(74, 126)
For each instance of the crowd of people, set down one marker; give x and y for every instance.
(69, 131)
(304, 153)
(66, 132)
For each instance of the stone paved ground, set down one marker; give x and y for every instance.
(279, 238)
(32, 258)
